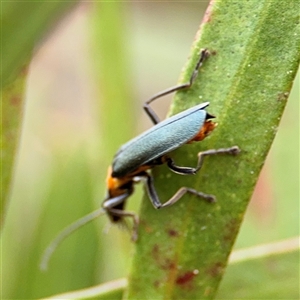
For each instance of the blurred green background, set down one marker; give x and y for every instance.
(65, 151)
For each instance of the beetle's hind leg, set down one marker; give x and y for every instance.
(192, 171)
(150, 112)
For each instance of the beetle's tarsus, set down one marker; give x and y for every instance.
(235, 150)
(209, 198)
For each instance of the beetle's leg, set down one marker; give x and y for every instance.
(191, 171)
(151, 191)
(185, 171)
(150, 112)
(156, 202)
(110, 207)
(183, 190)
(123, 213)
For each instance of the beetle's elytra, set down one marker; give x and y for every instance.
(134, 159)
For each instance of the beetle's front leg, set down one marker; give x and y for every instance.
(114, 208)
(122, 214)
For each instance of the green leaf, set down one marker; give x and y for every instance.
(112, 290)
(11, 119)
(182, 251)
(23, 25)
(69, 186)
(23, 239)
(272, 275)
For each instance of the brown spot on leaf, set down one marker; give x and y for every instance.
(282, 96)
(24, 70)
(216, 269)
(186, 278)
(15, 100)
(208, 12)
(162, 261)
(213, 52)
(173, 232)
(157, 283)
(155, 251)
(231, 230)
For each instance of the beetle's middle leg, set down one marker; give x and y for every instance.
(150, 112)
(183, 190)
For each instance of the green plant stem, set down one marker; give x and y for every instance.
(182, 251)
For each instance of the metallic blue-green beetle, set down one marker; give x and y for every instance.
(151, 148)
(134, 159)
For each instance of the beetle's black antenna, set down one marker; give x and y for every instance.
(65, 233)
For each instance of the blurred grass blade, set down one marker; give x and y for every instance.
(23, 25)
(113, 105)
(273, 277)
(182, 251)
(65, 184)
(11, 119)
(109, 290)
(276, 248)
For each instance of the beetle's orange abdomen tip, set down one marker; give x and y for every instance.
(205, 130)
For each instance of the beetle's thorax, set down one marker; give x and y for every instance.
(118, 185)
